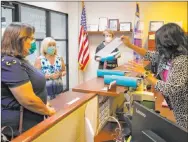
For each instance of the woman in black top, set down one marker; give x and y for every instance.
(108, 34)
(21, 83)
(172, 49)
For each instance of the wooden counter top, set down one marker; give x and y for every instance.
(95, 86)
(164, 111)
(63, 109)
(61, 101)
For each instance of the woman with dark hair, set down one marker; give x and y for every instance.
(172, 55)
(23, 90)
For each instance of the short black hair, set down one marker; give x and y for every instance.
(171, 41)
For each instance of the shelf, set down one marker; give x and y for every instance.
(115, 32)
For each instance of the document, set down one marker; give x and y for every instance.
(103, 23)
(92, 27)
(73, 101)
(107, 50)
(156, 25)
(152, 37)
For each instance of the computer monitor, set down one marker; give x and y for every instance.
(148, 126)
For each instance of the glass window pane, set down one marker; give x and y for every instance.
(65, 82)
(6, 18)
(7, 14)
(58, 26)
(32, 58)
(61, 49)
(36, 18)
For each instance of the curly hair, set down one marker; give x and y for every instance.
(171, 41)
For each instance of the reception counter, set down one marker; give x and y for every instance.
(67, 125)
(78, 117)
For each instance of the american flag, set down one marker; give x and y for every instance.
(137, 32)
(83, 55)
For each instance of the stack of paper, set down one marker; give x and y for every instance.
(109, 48)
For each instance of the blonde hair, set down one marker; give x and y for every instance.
(46, 43)
(108, 31)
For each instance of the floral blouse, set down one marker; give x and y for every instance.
(47, 68)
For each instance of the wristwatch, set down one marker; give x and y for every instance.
(146, 74)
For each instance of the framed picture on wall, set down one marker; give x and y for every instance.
(103, 23)
(155, 25)
(92, 27)
(113, 24)
(125, 26)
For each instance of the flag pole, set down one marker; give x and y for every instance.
(134, 26)
(80, 73)
(82, 4)
(134, 34)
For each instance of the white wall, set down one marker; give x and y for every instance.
(73, 43)
(124, 11)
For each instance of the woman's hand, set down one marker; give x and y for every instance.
(50, 109)
(55, 75)
(135, 67)
(48, 104)
(126, 40)
(63, 73)
(98, 59)
(48, 76)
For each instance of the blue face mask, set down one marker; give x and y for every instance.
(33, 48)
(50, 50)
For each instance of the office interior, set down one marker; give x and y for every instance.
(88, 110)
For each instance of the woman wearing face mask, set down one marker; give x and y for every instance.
(52, 66)
(108, 64)
(22, 86)
(172, 51)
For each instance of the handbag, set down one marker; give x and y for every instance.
(57, 86)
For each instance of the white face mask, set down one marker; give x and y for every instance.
(108, 39)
